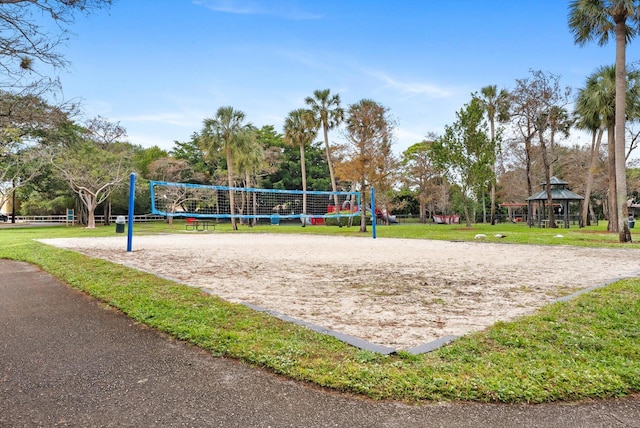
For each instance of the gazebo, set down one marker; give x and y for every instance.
(561, 199)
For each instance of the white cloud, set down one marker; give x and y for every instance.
(165, 118)
(147, 140)
(248, 7)
(411, 88)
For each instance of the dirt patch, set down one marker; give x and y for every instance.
(399, 293)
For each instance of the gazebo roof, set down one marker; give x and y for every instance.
(554, 182)
(556, 195)
(558, 192)
(560, 196)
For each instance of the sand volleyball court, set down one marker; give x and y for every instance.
(398, 293)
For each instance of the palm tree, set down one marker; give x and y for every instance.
(299, 130)
(226, 132)
(496, 105)
(597, 20)
(596, 106)
(589, 121)
(249, 161)
(328, 114)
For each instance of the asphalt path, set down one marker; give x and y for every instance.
(69, 360)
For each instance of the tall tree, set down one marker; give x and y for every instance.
(536, 105)
(597, 20)
(27, 42)
(94, 169)
(496, 106)
(464, 153)
(19, 165)
(272, 146)
(419, 172)
(547, 109)
(552, 121)
(523, 113)
(588, 119)
(595, 107)
(226, 131)
(370, 160)
(26, 123)
(300, 128)
(248, 162)
(328, 114)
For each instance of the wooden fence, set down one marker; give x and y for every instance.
(63, 219)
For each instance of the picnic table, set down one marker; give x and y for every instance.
(199, 225)
(559, 223)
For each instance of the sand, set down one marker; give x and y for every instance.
(398, 293)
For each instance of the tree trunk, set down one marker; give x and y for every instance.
(527, 155)
(527, 149)
(484, 208)
(107, 212)
(255, 209)
(466, 211)
(547, 173)
(246, 200)
(621, 94)
(492, 189)
(232, 201)
(303, 168)
(91, 221)
(241, 208)
(613, 211)
(363, 210)
(423, 211)
(334, 187)
(91, 206)
(595, 151)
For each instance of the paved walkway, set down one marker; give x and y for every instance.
(68, 360)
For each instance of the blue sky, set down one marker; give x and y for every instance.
(160, 67)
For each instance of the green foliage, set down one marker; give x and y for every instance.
(45, 194)
(143, 157)
(268, 137)
(407, 200)
(287, 176)
(192, 152)
(343, 220)
(94, 170)
(464, 154)
(38, 204)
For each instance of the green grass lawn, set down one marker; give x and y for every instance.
(586, 348)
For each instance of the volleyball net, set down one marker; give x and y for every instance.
(208, 201)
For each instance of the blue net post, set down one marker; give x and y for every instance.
(373, 213)
(132, 194)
